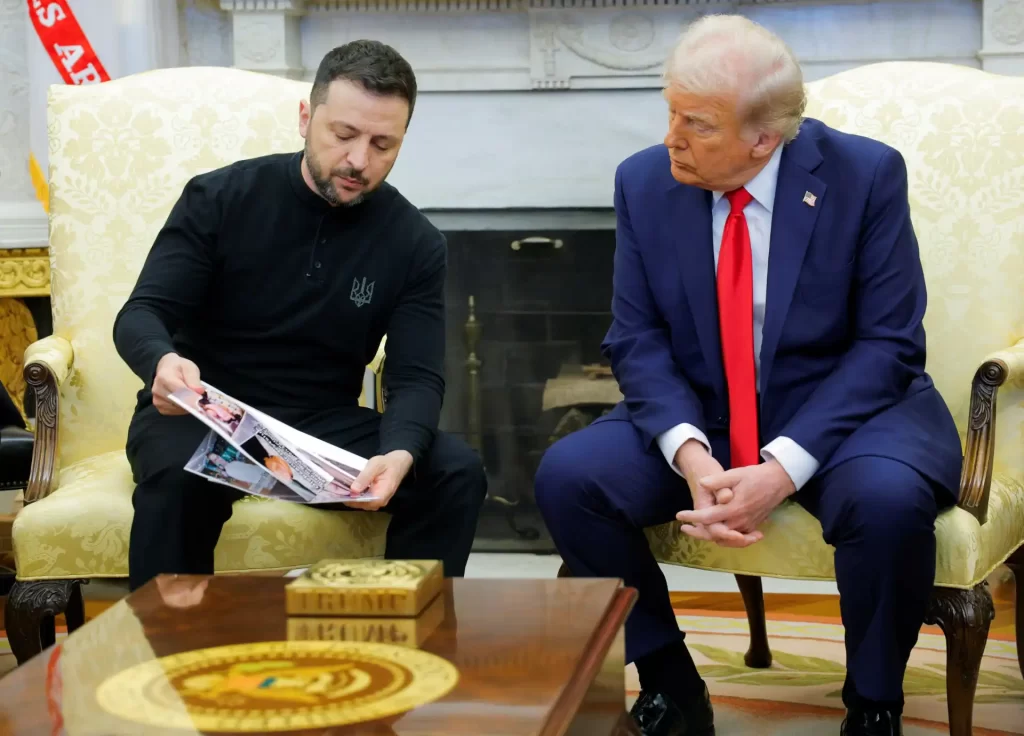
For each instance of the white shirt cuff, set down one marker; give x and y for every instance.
(671, 440)
(799, 464)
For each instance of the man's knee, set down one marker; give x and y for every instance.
(461, 470)
(562, 476)
(886, 501)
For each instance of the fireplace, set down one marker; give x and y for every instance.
(528, 304)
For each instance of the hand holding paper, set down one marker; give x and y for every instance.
(174, 373)
(257, 454)
(381, 477)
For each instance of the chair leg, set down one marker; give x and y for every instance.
(759, 654)
(30, 612)
(1016, 564)
(964, 617)
(74, 614)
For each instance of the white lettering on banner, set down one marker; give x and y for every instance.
(89, 75)
(49, 15)
(69, 55)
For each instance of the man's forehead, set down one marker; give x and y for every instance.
(362, 110)
(698, 104)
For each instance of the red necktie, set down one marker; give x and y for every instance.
(736, 325)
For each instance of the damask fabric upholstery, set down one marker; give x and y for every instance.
(792, 547)
(120, 153)
(959, 130)
(81, 530)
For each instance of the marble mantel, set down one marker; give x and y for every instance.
(483, 45)
(532, 103)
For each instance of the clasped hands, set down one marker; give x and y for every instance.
(729, 506)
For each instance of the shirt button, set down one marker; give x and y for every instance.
(317, 264)
(323, 241)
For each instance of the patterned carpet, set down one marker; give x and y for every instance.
(800, 693)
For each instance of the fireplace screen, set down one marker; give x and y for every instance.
(527, 311)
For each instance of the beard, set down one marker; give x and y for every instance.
(325, 186)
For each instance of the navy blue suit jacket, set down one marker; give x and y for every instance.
(843, 352)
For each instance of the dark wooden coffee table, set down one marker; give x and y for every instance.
(531, 656)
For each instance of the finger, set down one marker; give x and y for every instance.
(702, 499)
(746, 541)
(166, 407)
(368, 474)
(727, 537)
(725, 479)
(697, 532)
(190, 376)
(710, 515)
(168, 381)
(725, 495)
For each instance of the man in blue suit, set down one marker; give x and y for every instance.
(767, 307)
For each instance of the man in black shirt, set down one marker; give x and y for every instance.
(275, 279)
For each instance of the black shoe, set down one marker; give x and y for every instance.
(872, 723)
(658, 715)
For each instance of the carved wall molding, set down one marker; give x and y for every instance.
(581, 48)
(518, 6)
(1007, 22)
(206, 33)
(1003, 35)
(24, 272)
(296, 7)
(609, 44)
(258, 42)
(267, 35)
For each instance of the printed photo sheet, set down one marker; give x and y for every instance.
(257, 454)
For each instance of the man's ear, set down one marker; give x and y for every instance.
(765, 145)
(305, 115)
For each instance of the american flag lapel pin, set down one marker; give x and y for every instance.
(809, 199)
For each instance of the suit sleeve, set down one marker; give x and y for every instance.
(656, 394)
(414, 366)
(888, 302)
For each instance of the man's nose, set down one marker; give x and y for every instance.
(673, 139)
(359, 155)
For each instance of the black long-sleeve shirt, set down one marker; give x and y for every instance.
(282, 299)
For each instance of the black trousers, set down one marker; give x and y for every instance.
(179, 516)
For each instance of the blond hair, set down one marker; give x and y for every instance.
(731, 54)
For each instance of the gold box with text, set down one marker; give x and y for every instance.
(365, 588)
(408, 631)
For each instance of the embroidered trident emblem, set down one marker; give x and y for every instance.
(361, 293)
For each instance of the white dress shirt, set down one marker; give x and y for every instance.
(795, 460)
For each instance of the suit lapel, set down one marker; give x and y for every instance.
(799, 198)
(690, 233)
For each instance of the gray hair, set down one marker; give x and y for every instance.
(730, 53)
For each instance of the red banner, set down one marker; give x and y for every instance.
(65, 42)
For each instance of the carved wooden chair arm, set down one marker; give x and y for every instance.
(48, 364)
(1002, 367)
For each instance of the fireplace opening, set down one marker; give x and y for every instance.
(527, 307)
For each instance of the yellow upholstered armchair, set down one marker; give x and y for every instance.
(961, 132)
(120, 153)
